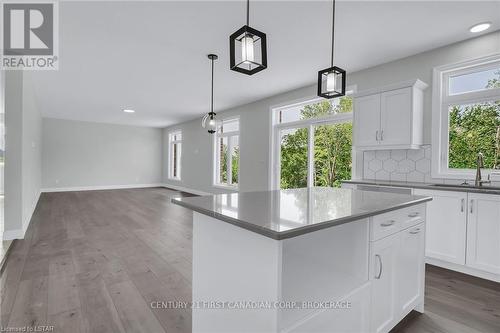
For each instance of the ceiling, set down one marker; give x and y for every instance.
(151, 56)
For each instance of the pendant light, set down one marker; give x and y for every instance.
(331, 81)
(208, 121)
(247, 48)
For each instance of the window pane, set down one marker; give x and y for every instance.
(227, 126)
(174, 161)
(235, 159)
(293, 158)
(222, 147)
(332, 154)
(474, 128)
(481, 80)
(315, 110)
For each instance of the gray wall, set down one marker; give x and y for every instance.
(23, 154)
(83, 154)
(255, 117)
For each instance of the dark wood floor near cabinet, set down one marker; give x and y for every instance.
(94, 262)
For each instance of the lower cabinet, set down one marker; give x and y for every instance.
(397, 274)
(446, 225)
(483, 232)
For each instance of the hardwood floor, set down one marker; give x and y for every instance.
(95, 261)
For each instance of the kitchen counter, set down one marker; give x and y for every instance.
(284, 214)
(427, 186)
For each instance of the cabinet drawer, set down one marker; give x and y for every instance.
(412, 215)
(389, 223)
(385, 224)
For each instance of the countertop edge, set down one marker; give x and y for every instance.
(424, 186)
(298, 231)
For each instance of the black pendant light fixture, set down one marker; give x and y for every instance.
(247, 47)
(208, 121)
(331, 81)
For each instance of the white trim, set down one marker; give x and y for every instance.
(185, 189)
(395, 86)
(463, 269)
(19, 233)
(440, 100)
(13, 234)
(99, 188)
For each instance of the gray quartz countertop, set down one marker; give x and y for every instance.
(486, 189)
(284, 214)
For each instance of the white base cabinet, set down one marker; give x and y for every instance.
(397, 273)
(463, 232)
(446, 225)
(483, 232)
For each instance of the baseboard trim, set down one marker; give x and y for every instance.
(463, 269)
(13, 234)
(99, 188)
(185, 189)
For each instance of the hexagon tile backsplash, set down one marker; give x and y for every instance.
(412, 165)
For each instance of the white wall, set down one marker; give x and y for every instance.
(255, 117)
(93, 155)
(23, 154)
(13, 153)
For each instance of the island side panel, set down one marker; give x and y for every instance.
(328, 265)
(231, 264)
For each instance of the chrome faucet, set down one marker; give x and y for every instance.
(480, 164)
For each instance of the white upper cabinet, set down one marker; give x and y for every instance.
(367, 118)
(390, 117)
(483, 232)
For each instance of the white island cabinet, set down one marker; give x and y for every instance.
(306, 260)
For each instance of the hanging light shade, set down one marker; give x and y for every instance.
(247, 47)
(208, 122)
(331, 81)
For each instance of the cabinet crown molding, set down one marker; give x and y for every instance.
(416, 83)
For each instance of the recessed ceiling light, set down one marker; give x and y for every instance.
(128, 111)
(480, 27)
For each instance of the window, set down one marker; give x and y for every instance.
(312, 143)
(227, 153)
(174, 155)
(467, 105)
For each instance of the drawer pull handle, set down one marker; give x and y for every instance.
(388, 223)
(414, 232)
(380, 265)
(413, 214)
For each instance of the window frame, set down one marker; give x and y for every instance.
(216, 156)
(310, 124)
(171, 143)
(442, 100)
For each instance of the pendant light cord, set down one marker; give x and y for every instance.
(333, 29)
(248, 12)
(212, 97)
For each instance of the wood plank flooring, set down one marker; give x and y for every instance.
(94, 262)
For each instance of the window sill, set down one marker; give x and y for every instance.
(226, 187)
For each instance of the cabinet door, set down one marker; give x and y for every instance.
(446, 223)
(383, 264)
(483, 232)
(410, 270)
(396, 109)
(366, 120)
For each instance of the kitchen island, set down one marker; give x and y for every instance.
(306, 260)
